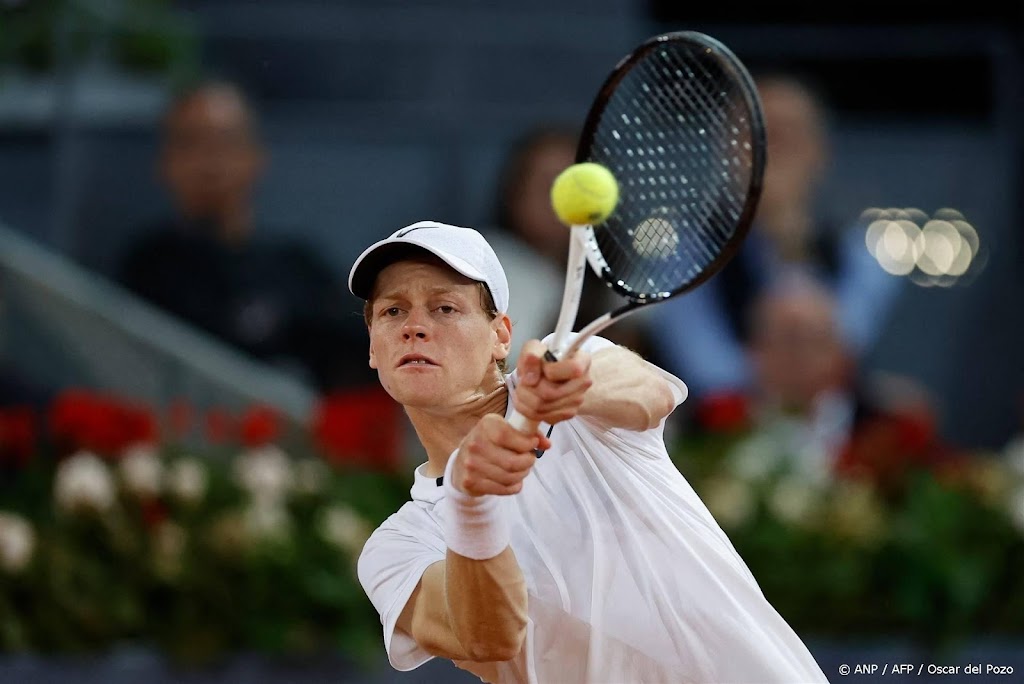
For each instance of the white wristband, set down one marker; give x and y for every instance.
(475, 527)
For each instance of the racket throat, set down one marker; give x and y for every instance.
(575, 271)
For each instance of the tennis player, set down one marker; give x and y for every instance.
(578, 554)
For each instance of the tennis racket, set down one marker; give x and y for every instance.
(678, 122)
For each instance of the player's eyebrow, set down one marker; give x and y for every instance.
(435, 291)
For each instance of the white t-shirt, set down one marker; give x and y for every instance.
(629, 577)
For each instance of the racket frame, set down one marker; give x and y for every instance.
(758, 153)
(583, 245)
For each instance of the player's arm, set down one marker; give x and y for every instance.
(614, 386)
(473, 605)
(466, 609)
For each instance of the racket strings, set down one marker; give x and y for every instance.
(676, 133)
(694, 90)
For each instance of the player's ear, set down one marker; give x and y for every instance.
(503, 336)
(373, 358)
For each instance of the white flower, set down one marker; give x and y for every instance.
(141, 470)
(729, 501)
(83, 483)
(267, 521)
(186, 480)
(794, 501)
(344, 528)
(755, 458)
(17, 542)
(310, 475)
(265, 473)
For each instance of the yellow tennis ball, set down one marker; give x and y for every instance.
(584, 194)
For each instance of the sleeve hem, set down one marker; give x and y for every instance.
(404, 653)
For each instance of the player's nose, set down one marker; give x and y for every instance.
(416, 325)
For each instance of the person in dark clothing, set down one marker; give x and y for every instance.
(275, 299)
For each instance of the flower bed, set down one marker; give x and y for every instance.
(118, 525)
(903, 537)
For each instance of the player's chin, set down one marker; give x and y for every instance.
(414, 394)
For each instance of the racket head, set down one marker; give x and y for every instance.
(679, 124)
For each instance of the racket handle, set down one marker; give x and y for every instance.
(521, 422)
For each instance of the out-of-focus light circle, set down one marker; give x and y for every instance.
(897, 251)
(948, 214)
(938, 251)
(968, 233)
(874, 233)
(917, 216)
(962, 261)
(937, 247)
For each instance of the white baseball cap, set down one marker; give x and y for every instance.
(464, 249)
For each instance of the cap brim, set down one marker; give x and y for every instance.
(379, 256)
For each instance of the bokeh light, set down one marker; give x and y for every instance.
(935, 251)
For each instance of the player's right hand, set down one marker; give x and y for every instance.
(495, 458)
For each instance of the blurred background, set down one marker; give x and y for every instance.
(183, 369)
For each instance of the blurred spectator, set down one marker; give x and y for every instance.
(533, 244)
(810, 407)
(208, 264)
(701, 335)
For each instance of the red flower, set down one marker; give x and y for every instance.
(359, 427)
(17, 435)
(723, 412)
(81, 420)
(259, 425)
(886, 449)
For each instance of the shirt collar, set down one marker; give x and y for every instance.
(425, 488)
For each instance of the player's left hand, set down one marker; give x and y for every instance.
(551, 392)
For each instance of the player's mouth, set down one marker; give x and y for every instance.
(415, 361)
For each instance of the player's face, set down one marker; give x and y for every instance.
(431, 341)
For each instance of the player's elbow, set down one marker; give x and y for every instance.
(651, 406)
(502, 644)
(498, 632)
(662, 402)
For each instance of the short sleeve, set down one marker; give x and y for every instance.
(390, 566)
(597, 343)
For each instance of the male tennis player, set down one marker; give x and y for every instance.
(595, 562)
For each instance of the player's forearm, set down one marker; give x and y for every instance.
(467, 609)
(627, 392)
(487, 602)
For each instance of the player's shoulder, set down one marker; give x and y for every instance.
(409, 534)
(414, 524)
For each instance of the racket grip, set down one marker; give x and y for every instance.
(521, 422)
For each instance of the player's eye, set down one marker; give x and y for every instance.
(446, 308)
(391, 311)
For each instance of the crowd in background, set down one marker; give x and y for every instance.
(780, 331)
